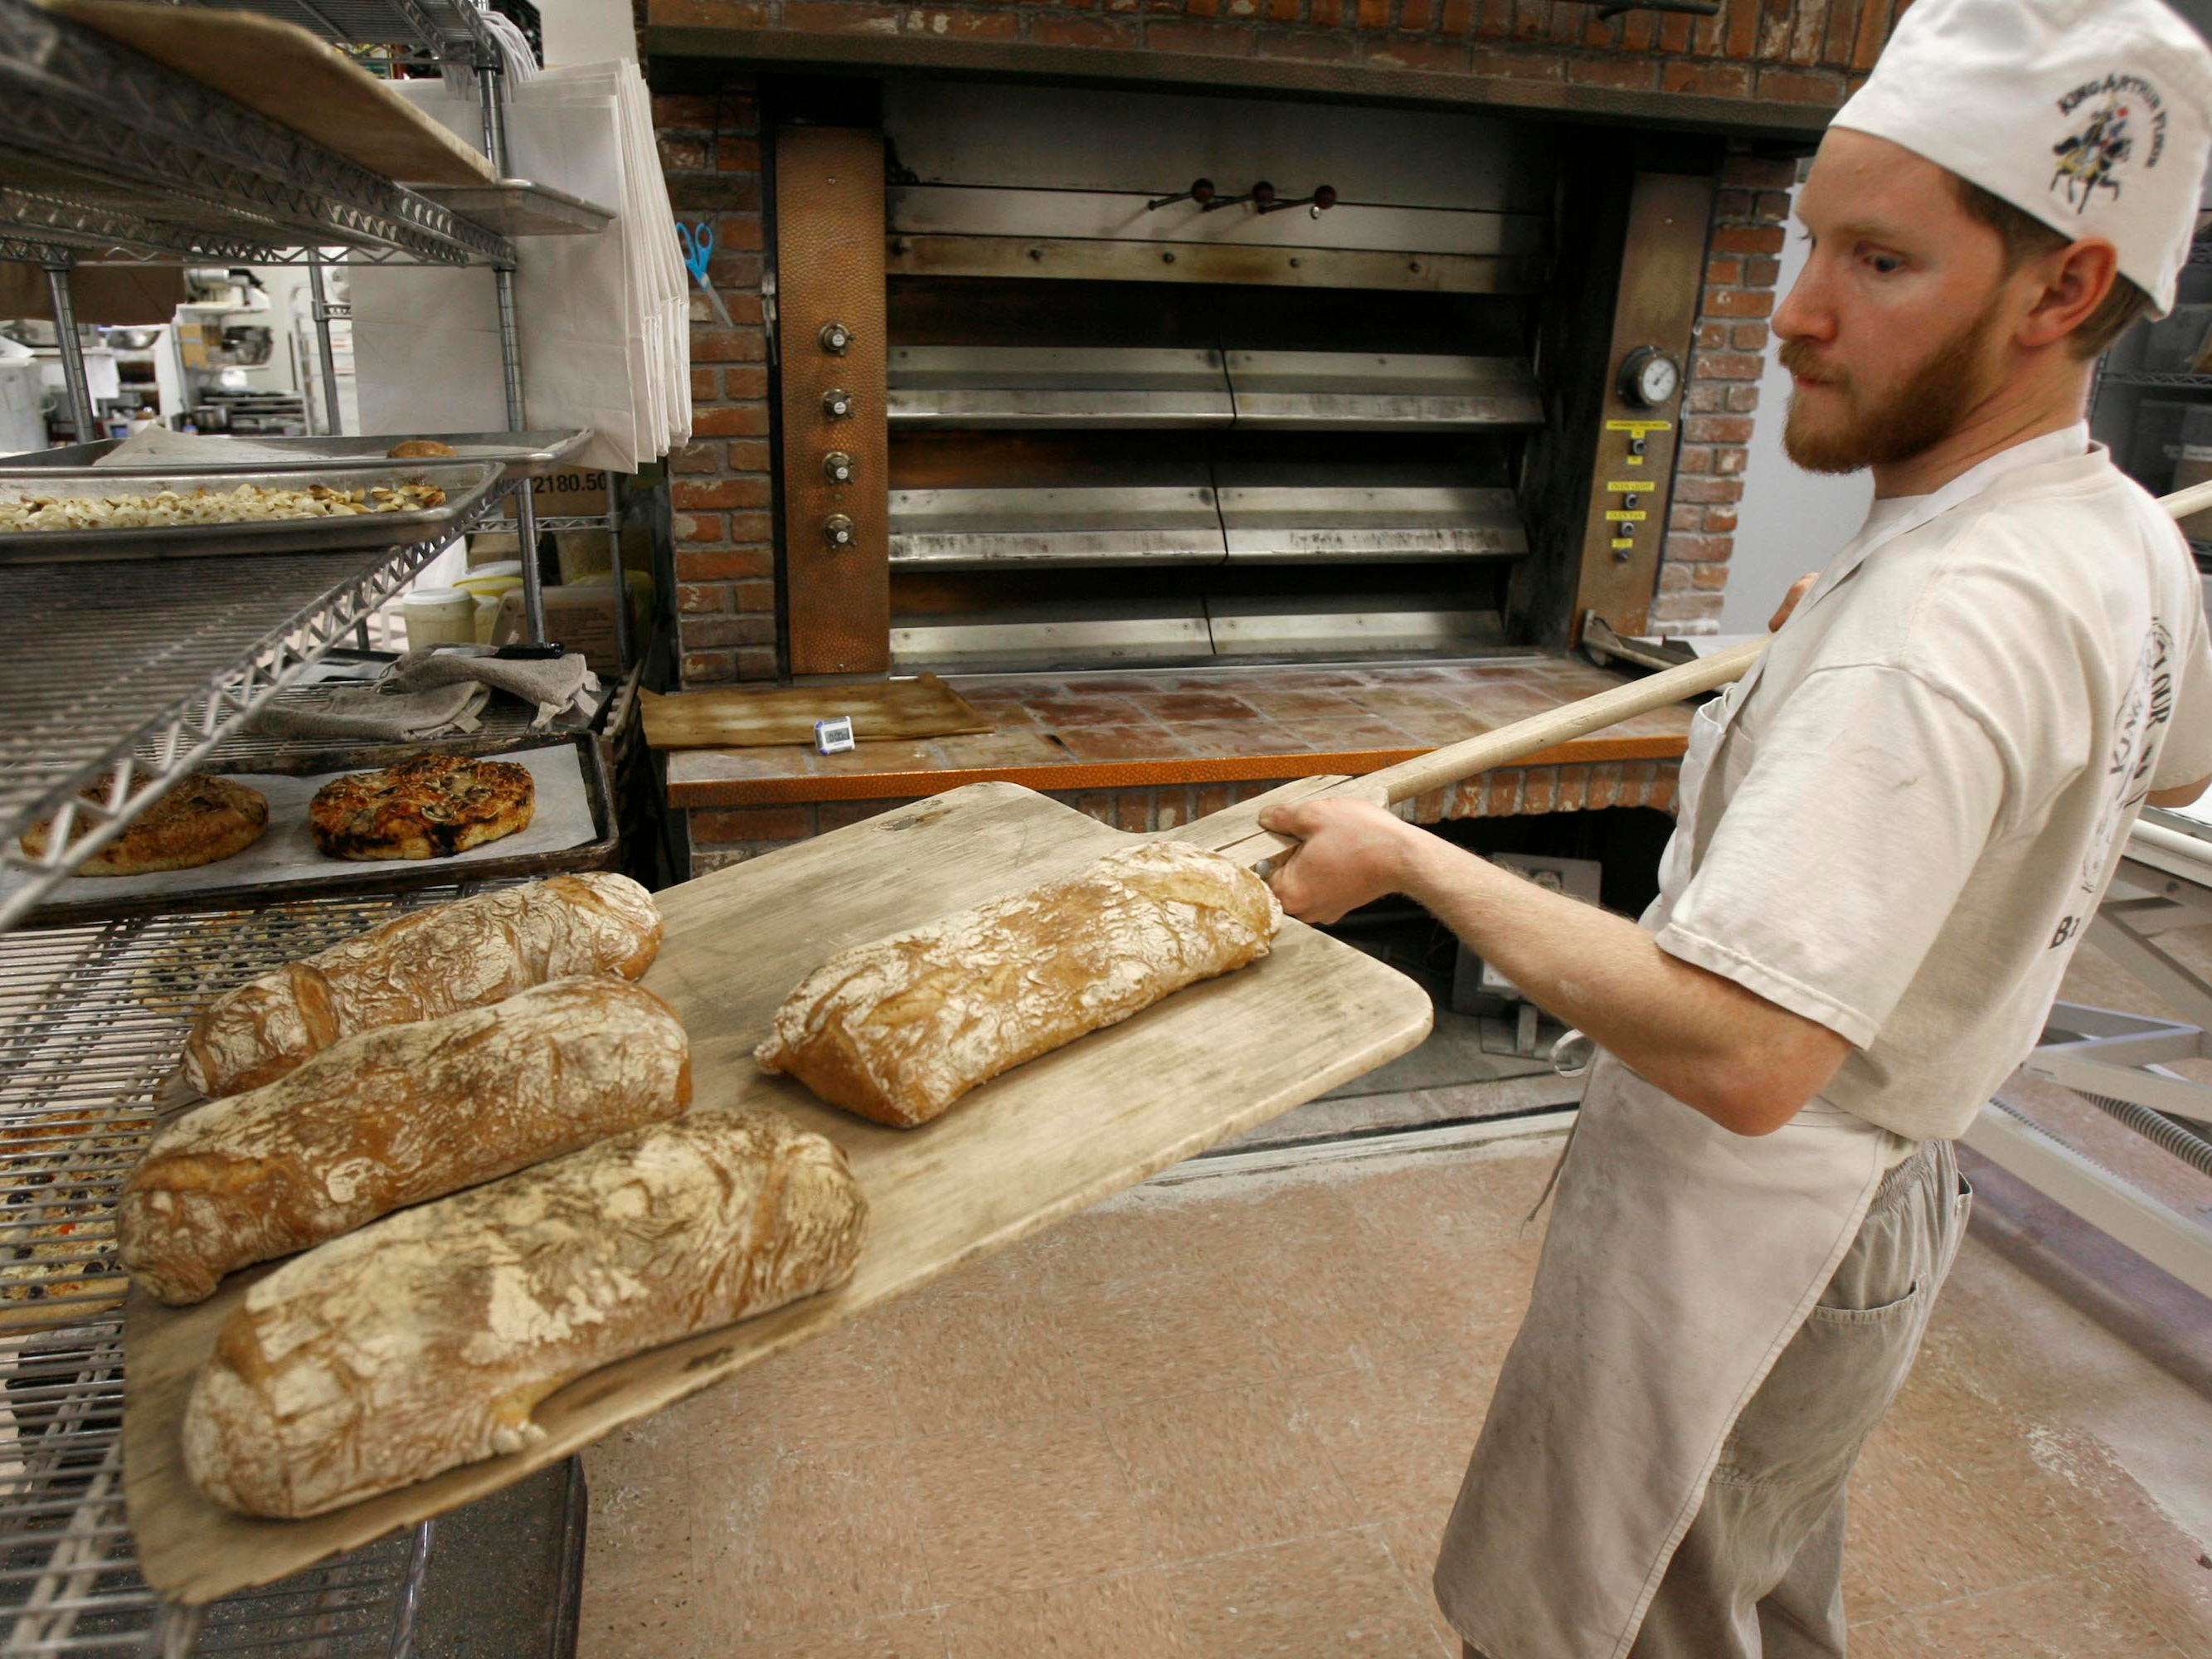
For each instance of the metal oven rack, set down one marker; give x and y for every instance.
(92, 1024)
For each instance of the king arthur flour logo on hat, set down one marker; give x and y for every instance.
(2115, 112)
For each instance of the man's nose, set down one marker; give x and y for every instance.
(1803, 314)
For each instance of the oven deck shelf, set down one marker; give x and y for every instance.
(1250, 520)
(1033, 388)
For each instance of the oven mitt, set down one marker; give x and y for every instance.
(369, 711)
(554, 685)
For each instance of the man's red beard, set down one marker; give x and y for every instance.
(1925, 409)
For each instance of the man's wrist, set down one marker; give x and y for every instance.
(1412, 861)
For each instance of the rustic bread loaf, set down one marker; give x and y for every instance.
(394, 1116)
(462, 955)
(898, 1030)
(426, 1339)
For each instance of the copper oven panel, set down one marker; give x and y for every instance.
(830, 250)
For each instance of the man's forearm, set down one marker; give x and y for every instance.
(1703, 1039)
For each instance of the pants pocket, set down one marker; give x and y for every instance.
(1826, 1394)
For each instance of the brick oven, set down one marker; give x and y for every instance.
(1195, 495)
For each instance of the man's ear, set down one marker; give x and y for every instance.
(2074, 280)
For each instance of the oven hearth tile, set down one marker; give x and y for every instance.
(1177, 729)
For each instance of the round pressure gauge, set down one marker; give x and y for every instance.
(1649, 377)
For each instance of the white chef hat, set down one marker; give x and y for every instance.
(2095, 116)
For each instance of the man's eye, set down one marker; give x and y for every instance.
(1885, 264)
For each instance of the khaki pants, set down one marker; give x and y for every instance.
(1759, 1573)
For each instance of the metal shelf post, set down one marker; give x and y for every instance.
(74, 376)
(510, 355)
(324, 312)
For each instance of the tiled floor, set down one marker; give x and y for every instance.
(1227, 1417)
(1157, 719)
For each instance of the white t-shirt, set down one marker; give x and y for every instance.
(1913, 815)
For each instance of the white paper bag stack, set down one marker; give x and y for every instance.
(603, 321)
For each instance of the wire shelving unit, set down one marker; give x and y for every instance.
(142, 669)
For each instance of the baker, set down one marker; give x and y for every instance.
(1892, 832)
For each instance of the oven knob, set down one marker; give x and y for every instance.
(837, 530)
(837, 467)
(835, 338)
(837, 403)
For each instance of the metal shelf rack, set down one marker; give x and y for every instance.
(182, 652)
(106, 153)
(431, 31)
(146, 669)
(92, 1024)
(105, 150)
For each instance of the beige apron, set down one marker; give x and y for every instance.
(1682, 1260)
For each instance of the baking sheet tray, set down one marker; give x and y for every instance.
(520, 454)
(572, 828)
(466, 485)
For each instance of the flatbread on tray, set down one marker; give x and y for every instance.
(433, 806)
(202, 819)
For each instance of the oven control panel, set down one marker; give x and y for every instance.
(1634, 487)
(1641, 409)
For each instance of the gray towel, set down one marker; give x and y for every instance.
(553, 684)
(369, 711)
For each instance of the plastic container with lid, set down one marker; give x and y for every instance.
(487, 582)
(439, 616)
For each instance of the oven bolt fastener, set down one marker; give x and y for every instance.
(837, 467)
(837, 403)
(1201, 192)
(1167, 258)
(836, 339)
(837, 530)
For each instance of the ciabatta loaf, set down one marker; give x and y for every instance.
(462, 955)
(898, 1030)
(395, 1116)
(426, 1339)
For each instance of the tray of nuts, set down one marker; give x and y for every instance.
(89, 514)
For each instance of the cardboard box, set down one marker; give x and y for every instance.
(566, 494)
(199, 344)
(97, 294)
(579, 618)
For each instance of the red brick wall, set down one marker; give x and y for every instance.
(721, 488)
(1743, 257)
(722, 837)
(1787, 51)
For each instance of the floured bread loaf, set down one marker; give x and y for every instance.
(426, 1339)
(462, 955)
(392, 1117)
(898, 1030)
